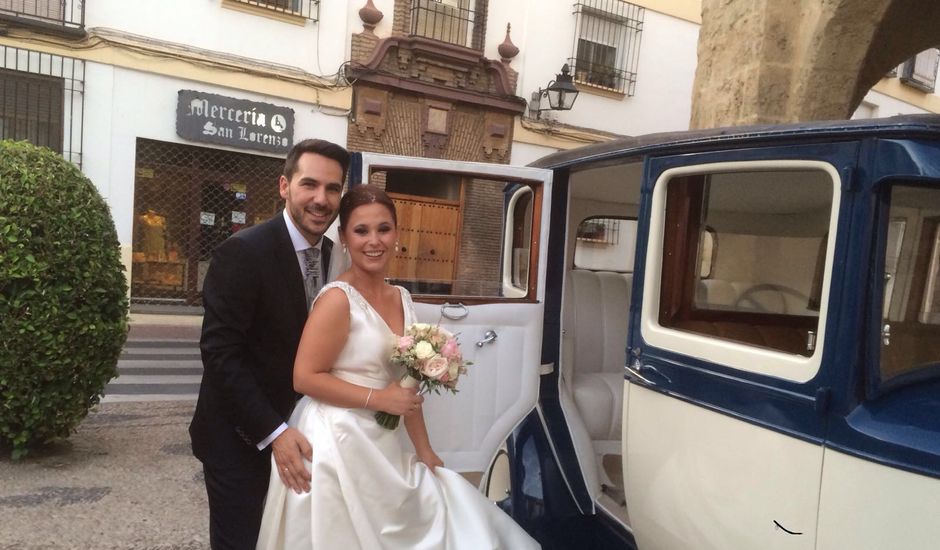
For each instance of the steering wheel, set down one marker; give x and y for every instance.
(747, 299)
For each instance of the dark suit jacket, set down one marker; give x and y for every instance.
(255, 309)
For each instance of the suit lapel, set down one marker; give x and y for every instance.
(287, 264)
(326, 250)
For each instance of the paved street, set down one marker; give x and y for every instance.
(126, 479)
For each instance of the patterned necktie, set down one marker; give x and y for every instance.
(311, 274)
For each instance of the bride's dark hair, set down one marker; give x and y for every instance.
(361, 195)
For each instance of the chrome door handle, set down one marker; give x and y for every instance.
(488, 337)
(632, 372)
(636, 371)
(460, 312)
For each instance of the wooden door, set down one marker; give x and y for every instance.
(428, 241)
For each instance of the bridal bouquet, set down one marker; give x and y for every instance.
(432, 360)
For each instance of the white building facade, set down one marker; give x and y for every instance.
(181, 112)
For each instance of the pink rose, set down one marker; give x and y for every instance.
(405, 343)
(435, 367)
(451, 350)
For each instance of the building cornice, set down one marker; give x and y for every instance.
(140, 53)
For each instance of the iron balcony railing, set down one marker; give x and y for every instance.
(308, 9)
(457, 22)
(607, 44)
(64, 15)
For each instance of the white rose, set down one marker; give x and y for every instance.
(424, 350)
(421, 326)
(435, 367)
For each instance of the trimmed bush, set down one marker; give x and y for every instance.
(63, 297)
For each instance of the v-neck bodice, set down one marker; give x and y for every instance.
(365, 357)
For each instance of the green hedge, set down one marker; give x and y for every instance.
(63, 297)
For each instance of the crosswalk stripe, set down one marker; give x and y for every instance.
(168, 370)
(156, 370)
(161, 355)
(125, 379)
(117, 398)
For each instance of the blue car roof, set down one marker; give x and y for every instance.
(691, 140)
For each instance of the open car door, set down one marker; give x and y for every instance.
(472, 252)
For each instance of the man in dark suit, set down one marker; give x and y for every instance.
(256, 296)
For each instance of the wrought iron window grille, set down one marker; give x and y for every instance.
(607, 44)
(920, 71)
(460, 22)
(308, 9)
(42, 100)
(68, 15)
(604, 231)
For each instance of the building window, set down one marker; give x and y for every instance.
(607, 44)
(460, 22)
(187, 200)
(42, 100)
(309, 9)
(920, 71)
(68, 13)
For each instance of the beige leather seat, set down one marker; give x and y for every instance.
(597, 317)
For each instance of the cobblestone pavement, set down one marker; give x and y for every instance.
(125, 480)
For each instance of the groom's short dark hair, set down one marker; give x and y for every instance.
(321, 147)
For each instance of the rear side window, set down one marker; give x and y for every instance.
(910, 326)
(605, 244)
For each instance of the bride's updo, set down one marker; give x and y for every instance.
(361, 195)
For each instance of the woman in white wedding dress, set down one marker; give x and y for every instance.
(366, 491)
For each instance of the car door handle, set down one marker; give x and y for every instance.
(488, 337)
(454, 312)
(638, 371)
(632, 372)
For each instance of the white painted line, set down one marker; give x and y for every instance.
(148, 397)
(157, 379)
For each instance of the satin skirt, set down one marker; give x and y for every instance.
(368, 492)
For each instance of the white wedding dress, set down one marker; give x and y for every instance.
(366, 491)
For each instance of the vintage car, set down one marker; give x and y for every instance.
(719, 339)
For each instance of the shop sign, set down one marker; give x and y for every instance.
(213, 118)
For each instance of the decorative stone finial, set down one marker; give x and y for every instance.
(370, 16)
(507, 50)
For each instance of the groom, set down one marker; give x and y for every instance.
(256, 296)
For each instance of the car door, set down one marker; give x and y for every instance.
(726, 391)
(471, 252)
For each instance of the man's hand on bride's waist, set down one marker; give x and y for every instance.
(289, 449)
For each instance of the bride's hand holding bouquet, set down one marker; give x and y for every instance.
(432, 361)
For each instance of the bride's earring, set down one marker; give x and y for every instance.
(396, 247)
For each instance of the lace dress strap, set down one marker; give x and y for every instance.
(351, 293)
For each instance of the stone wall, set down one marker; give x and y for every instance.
(767, 61)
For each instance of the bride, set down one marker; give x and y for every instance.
(366, 491)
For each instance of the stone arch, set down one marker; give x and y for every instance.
(766, 61)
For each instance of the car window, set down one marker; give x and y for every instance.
(462, 235)
(910, 327)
